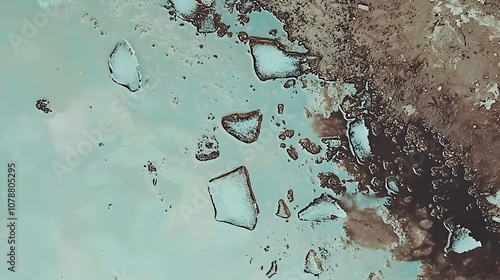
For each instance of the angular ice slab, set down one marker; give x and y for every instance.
(313, 263)
(461, 241)
(323, 208)
(243, 126)
(123, 66)
(358, 140)
(233, 199)
(272, 270)
(271, 61)
(283, 210)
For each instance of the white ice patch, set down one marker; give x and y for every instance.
(184, 8)
(270, 62)
(323, 208)
(461, 241)
(124, 67)
(490, 101)
(233, 199)
(358, 139)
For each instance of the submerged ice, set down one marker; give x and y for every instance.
(233, 199)
(124, 67)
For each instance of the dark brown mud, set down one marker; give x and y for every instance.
(427, 184)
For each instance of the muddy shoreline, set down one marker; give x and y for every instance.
(416, 57)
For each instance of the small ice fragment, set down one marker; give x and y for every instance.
(243, 126)
(289, 195)
(272, 270)
(271, 61)
(391, 184)
(363, 7)
(207, 149)
(233, 199)
(123, 66)
(283, 210)
(323, 208)
(461, 241)
(313, 263)
(358, 140)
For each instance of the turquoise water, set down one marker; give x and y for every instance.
(86, 204)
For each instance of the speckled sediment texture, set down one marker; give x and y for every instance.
(439, 57)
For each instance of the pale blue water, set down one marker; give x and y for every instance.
(90, 211)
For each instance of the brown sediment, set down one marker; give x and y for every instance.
(287, 133)
(204, 18)
(309, 146)
(334, 125)
(292, 152)
(329, 180)
(366, 228)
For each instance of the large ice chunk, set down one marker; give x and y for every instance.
(233, 199)
(243, 126)
(323, 208)
(358, 140)
(123, 66)
(461, 241)
(271, 61)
